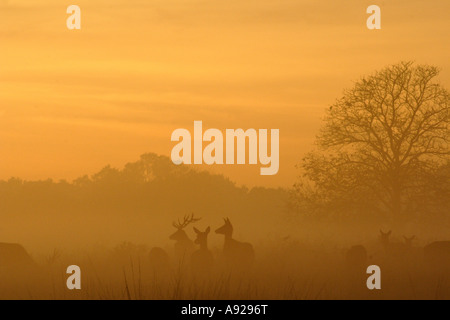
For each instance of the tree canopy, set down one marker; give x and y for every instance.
(381, 142)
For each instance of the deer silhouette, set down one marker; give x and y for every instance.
(356, 257)
(355, 267)
(183, 245)
(13, 255)
(159, 260)
(236, 253)
(394, 249)
(409, 241)
(202, 260)
(384, 238)
(438, 253)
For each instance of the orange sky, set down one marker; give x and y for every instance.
(74, 101)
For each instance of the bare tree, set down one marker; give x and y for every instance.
(386, 130)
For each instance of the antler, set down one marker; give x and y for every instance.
(188, 219)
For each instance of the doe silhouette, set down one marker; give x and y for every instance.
(13, 255)
(237, 254)
(202, 260)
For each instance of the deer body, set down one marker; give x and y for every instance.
(356, 257)
(183, 245)
(202, 260)
(14, 255)
(438, 252)
(236, 250)
(236, 253)
(159, 260)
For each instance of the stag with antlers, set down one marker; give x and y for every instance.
(183, 245)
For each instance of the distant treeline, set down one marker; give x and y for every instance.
(150, 191)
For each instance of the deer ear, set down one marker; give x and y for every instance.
(381, 231)
(196, 230)
(389, 233)
(208, 230)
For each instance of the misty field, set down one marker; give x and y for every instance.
(377, 177)
(285, 269)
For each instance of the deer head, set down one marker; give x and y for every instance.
(202, 237)
(180, 234)
(385, 237)
(408, 241)
(226, 229)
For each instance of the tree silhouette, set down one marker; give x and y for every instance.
(381, 136)
(137, 202)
